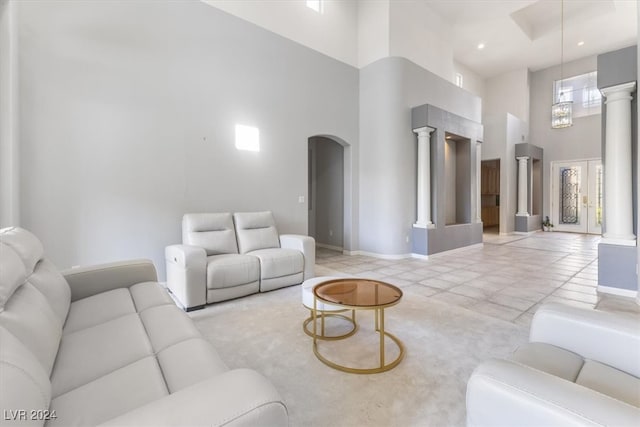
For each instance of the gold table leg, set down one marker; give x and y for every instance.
(379, 323)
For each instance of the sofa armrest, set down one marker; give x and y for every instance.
(505, 393)
(306, 245)
(241, 397)
(610, 338)
(187, 275)
(91, 280)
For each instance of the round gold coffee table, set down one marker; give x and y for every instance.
(359, 294)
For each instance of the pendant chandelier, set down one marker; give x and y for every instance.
(561, 110)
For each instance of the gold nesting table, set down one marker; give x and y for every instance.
(357, 294)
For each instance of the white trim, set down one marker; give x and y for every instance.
(525, 233)
(376, 255)
(411, 255)
(618, 241)
(330, 247)
(455, 250)
(617, 291)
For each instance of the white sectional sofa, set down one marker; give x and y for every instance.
(226, 256)
(106, 345)
(581, 367)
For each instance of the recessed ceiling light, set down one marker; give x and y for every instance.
(480, 46)
(580, 43)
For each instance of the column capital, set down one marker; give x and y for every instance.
(623, 89)
(522, 158)
(423, 131)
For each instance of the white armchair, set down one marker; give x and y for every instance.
(580, 367)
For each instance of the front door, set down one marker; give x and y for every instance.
(576, 203)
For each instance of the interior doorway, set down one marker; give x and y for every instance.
(326, 192)
(576, 201)
(490, 195)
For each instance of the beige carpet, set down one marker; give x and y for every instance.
(444, 344)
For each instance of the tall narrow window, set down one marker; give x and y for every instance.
(315, 5)
(459, 80)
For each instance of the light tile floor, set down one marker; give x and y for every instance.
(507, 277)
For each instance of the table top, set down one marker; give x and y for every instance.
(358, 293)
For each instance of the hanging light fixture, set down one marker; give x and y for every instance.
(561, 110)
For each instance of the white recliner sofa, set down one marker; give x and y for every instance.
(226, 256)
(106, 345)
(580, 367)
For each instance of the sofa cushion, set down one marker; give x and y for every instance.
(255, 230)
(14, 273)
(212, 231)
(204, 362)
(611, 382)
(30, 318)
(550, 359)
(24, 383)
(90, 353)
(279, 262)
(224, 271)
(98, 309)
(110, 395)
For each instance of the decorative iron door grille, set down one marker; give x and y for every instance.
(569, 195)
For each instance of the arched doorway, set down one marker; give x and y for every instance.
(328, 221)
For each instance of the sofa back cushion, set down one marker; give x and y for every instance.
(24, 384)
(34, 297)
(255, 230)
(212, 231)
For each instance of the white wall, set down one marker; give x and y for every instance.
(389, 88)
(333, 32)
(420, 35)
(508, 93)
(583, 140)
(373, 31)
(9, 138)
(128, 116)
(472, 81)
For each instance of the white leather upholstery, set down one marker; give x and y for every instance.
(575, 329)
(207, 268)
(560, 378)
(213, 232)
(120, 346)
(255, 230)
(307, 246)
(186, 274)
(224, 271)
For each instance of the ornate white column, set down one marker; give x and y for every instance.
(423, 194)
(522, 186)
(478, 182)
(618, 208)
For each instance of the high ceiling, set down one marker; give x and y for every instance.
(526, 34)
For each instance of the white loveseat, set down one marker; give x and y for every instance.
(226, 256)
(581, 367)
(106, 345)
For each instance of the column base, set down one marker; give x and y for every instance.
(424, 225)
(522, 214)
(617, 239)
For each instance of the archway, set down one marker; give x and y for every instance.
(329, 189)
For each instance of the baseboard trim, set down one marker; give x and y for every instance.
(461, 249)
(411, 255)
(377, 255)
(617, 291)
(525, 233)
(330, 247)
